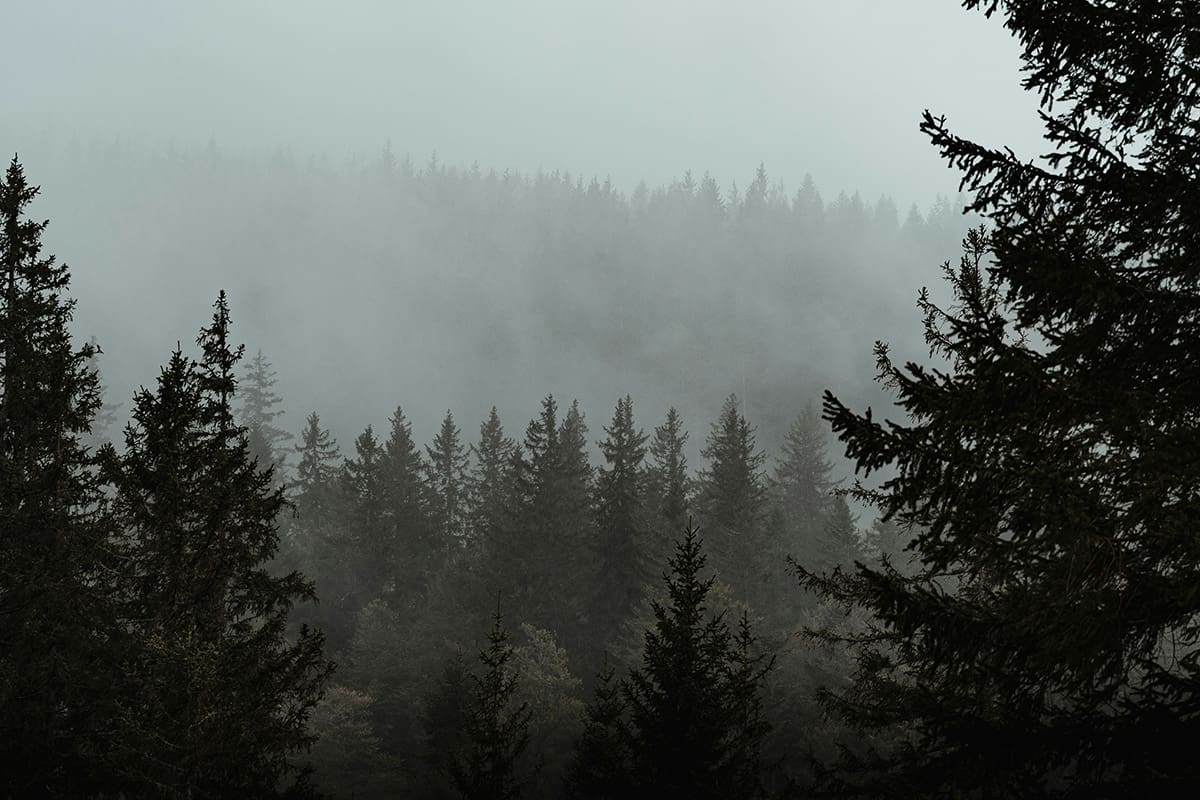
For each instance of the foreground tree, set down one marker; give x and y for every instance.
(218, 697)
(55, 604)
(1049, 644)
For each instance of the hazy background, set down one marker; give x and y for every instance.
(185, 147)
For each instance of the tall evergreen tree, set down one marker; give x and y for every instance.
(447, 479)
(621, 556)
(220, 696)
(731, 499)
(374, 550)
(491, 480)
(694, 717)
(55, 598)
(1048, 646)
(418, 551)
(667, 481)
(321, 537)
(801, 487)
(602, 763)
(259, 412)
(491, 764)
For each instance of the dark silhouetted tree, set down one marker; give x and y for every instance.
(220, 696)
(694, 718)
(491, 764)
(56, 601)
(1048, 646)
(447, 479)
(621, 555)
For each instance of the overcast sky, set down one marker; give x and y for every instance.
(631, 89)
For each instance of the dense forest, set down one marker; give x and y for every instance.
(203, 595)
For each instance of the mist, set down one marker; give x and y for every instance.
(418, 213)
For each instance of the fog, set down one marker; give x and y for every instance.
(364, 297)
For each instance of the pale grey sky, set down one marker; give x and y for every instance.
(630, 89)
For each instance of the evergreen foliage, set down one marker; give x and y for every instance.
(259, 412)
(447, 480)
(219, 697)
(621, 554)
(731, 500)
(1048, 644)
(491, 766)
(694, 715)
(600, 768)
(56, 607)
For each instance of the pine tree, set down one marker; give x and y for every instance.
(259, 412)
(694, 715)
(320, 537)
(491, 764)
(732, 500)
(621, 554)
(601, 766)
(56, 599)
(667, 480)
(447, 479)
(1048, 646)
(373, 549)
(491, 481)
(446, 717)
(801, 488)
(315, 489)
(218, 693)
(418, 553)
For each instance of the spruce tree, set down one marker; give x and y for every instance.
(801, 488)
(667, 478)
(695, 724)
(56, 598)
(259, 412)
(321, 537)
(601, 766)
(620, 549)
(1048, 646)
(491, 481)
(447, 479)
(491, 765)
(731, 500)
(418, 552)
(219, 695)
(373, 549)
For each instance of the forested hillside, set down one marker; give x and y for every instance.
(444, 483)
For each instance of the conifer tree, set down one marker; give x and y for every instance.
(801, 487)
(374, 551)
(447, 479)
(315, 488)
(731, 499)
(259, 412)
(491, 764)
(56, 599)
(667, 481)
(601, 766)
(620, 550)
(1048, 645)
(418, 552)
(491, 480)
(694, 715)
(320, 535)
(220, 697)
